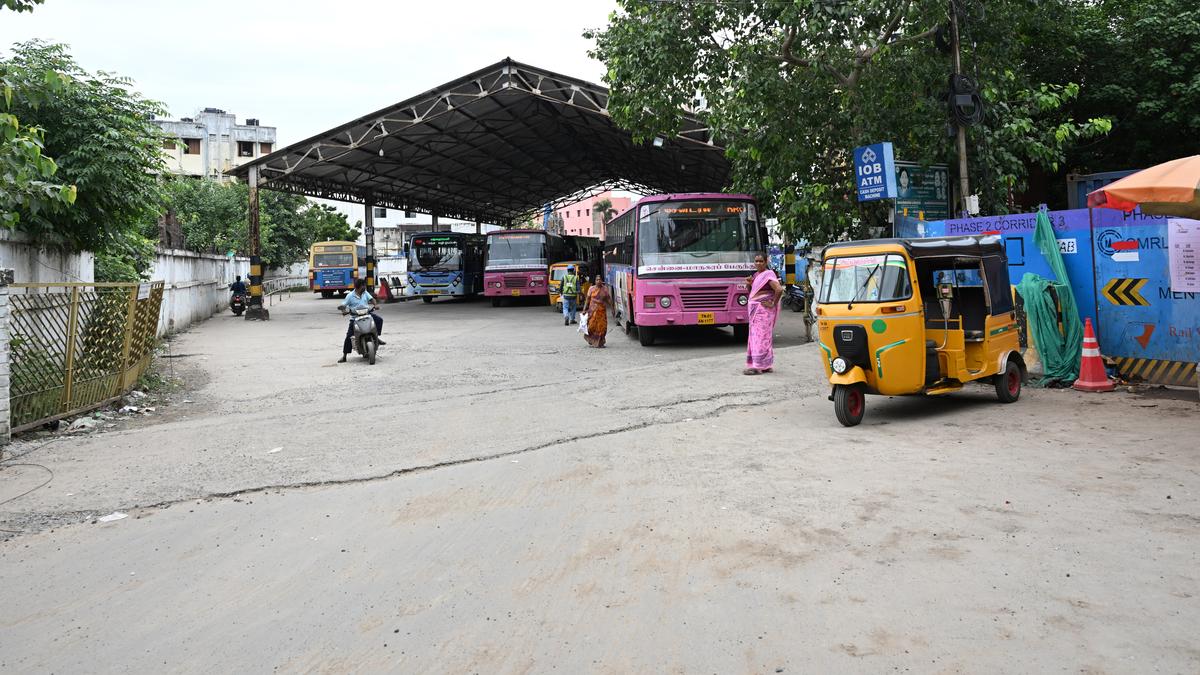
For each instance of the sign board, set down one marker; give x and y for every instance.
(1183, 239)
(922, 192)
(143, 291)
(875, 172)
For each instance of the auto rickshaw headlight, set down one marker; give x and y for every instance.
(840, 366)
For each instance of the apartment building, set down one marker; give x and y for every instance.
(580, 218)
(212, 142)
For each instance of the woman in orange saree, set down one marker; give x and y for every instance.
(599, 302)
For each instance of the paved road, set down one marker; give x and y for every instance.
(493, 496)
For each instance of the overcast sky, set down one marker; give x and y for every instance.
(304, 66)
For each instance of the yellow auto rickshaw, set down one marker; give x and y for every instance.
(916, 316)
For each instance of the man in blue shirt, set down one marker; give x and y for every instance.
(359, 298)
(237, 287)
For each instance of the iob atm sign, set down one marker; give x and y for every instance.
(875, 172)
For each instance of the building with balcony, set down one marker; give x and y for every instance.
(212, 142)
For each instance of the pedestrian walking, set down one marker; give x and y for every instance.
(599, 303)
(570, 296)
(765, 292)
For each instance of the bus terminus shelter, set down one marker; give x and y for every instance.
(493, 146)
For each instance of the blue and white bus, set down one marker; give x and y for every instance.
(445, 263)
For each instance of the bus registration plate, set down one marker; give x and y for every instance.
(516, 293)
(705, 318)
(433, 292)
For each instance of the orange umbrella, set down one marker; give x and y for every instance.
(1168, 189)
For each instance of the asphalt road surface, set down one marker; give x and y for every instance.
(493, 496)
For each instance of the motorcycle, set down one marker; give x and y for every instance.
(794, 298)
(366, 337)
(237, 303)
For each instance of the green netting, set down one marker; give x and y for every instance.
(1057, 337)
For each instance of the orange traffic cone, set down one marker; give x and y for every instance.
(1091, 368)
(385, 293)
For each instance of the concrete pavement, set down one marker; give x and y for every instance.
(495, 497)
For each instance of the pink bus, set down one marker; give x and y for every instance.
(518, 263)
(682, 260)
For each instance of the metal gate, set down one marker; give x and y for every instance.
(77, 346)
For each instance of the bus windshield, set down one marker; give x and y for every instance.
(434, 255)
(333, 259)
(517, 250)
(697, 236)
(867, 278)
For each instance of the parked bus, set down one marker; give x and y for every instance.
(334, 265)
(445, 263)
(682, 260)
(586, 250)
(518, 263)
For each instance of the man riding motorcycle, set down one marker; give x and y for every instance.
(359, 298)
(237, 287)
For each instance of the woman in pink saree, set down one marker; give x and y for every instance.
(765, 292)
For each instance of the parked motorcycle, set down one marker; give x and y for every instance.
(237, 303)
(794, 298)
(366, 337)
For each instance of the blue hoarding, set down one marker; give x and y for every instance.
(1072, 229)
(875, 172)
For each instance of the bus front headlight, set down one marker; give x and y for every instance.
(664, 302)
(742, 300)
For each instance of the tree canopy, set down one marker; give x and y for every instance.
(106, 151)
(213, 217)
(791, 88)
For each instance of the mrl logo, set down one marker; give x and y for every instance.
(1105, 239)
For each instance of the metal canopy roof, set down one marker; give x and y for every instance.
(494, 145)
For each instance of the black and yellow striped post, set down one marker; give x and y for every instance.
(255, 311)
(369, 235)
(789, 265)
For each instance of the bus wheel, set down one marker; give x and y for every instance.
(849, 403)
(741, 332)
(645, 335)
(341, 294)
(495, 302)
(427, 300)
(326, 294)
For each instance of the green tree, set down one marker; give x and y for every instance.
(792, 88)
(20, 5)
(604, 207)
(1140, 60)
(101, 135)
(213, 217)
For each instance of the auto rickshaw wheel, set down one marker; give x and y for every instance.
(1008, 383)
(849, 403)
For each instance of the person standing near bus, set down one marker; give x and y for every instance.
(570, 296)
(765, 292)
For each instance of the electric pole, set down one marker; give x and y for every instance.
(960, 129)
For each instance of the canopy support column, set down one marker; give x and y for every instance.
(255, 311)
(433, 227)
(478, 226)
(369, 235)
